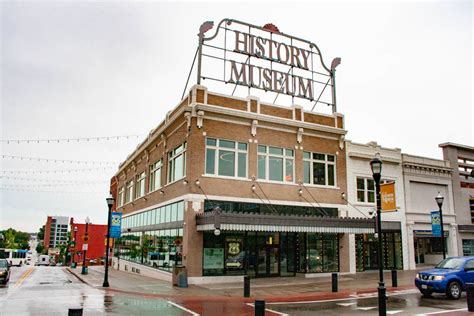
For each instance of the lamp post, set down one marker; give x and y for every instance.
(75, 248)
(84, 247)
(110, 201)
(376, 166)
(439, 199)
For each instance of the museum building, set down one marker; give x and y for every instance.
(228, 186)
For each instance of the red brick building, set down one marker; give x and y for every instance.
(97, 237)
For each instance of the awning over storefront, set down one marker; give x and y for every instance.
(280, 223)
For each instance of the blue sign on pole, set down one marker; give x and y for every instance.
(435, 224)
(115, 224)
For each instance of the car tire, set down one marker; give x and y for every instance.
(426, 293)
(454, 290)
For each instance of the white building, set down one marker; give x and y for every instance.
(423, 179)
(361, 199)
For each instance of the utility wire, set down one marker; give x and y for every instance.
(268, 206)
(69, 140)
(260, 187)
(356, 208)
(54, 180)
(322, 209)
(45, 191)
(54, 171)
(58, 160)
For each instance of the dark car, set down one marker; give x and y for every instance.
(4, 271)
(449, 276)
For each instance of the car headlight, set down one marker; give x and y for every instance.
(2, 272)
(438, 278)
(417, 276)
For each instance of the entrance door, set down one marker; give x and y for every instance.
(371, 258)
(268, 261)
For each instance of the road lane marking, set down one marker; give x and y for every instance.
(346, 304)
(443, 312)
(367, 308)
(25, 275)
(394, 312)
(269, 310)
(350, 298)
(184, 308)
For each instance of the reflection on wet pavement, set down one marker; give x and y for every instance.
(52, 291)
(404, 304)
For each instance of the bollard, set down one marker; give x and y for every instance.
(394, 278)
(334, 282)
(246, 286)
(75, 312)
(260, 308)
(470, 296)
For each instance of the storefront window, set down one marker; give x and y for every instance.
(468, 247)
(367, 251)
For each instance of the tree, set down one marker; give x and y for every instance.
(39, 248)
(41, 232)
(14, 239)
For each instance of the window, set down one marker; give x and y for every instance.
(365, 190)
(471, 207)
(155, 175)
(177, 163)
(140, 187)
(121, 196)
(319, 169)
(226, 158)
(275, 164)
(129, 192)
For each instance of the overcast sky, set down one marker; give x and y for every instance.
(89, 69)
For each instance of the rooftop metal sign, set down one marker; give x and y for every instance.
(264, 58)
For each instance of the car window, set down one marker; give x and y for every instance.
(469, 264)
(451, 263)
(3, 264)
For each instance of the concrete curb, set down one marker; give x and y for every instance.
(78, 277)
(289, 298)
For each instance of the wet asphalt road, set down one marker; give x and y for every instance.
(405, 302)
(52, 291)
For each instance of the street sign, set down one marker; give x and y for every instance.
(115, 224)
(85, 246)
(387, 197)
(436, 224)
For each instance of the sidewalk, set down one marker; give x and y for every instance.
(274, 289)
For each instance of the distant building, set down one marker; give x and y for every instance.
(55, 233)
(424, 178)
(461, 158)
(96, 243)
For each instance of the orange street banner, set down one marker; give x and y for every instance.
(387, 195)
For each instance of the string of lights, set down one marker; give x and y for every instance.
(54, 180)
(69, 140)
(13, 186)
(58, 160)
(55, 171)
(46, 191)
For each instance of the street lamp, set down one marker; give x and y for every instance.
(110, 201)
(376, 166)
(84, 247)
(75, 248)
(439, 199)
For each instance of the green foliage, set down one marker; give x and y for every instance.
(41, 233)
(14, 239)
(39, 248)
